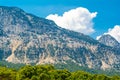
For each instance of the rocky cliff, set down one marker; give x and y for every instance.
(25, 38)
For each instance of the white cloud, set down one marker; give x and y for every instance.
(98, 37)
(79, 20)
(114, 32)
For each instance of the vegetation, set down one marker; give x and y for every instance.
(11, 65)
(48, 72)
(72, 67)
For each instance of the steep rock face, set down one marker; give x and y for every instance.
(25, 38)
(109, 41)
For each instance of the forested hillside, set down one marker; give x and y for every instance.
(48, 72)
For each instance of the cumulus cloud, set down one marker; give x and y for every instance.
(114, 32)
(79, 20)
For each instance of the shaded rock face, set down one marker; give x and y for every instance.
(25, 38)
(109, 41)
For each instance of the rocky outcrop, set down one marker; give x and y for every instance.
(109, 41)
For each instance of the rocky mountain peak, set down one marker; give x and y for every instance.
(109, 41)
(26, 38)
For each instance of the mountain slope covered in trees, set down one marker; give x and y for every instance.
(48, 72)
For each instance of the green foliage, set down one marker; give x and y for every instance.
(80, 75)
(48, 72)
(101, 77)
(59, 74)
(71, 66)
(7, 74)
(11, 65)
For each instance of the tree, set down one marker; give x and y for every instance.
(26, 72)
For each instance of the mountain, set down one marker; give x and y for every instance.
(109, 41)
(25, 38)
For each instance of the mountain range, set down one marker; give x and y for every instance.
(26, 38)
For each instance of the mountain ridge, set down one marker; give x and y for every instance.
(26, 38)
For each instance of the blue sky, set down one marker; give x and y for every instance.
(108, 10)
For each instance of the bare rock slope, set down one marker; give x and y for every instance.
(25, 38)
